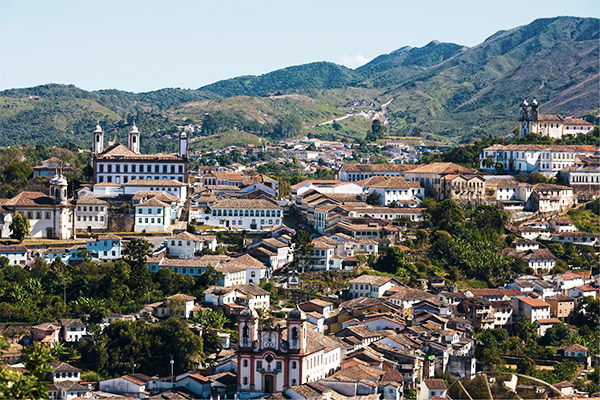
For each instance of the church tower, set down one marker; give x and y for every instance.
(134, 139)
(534, 110)
(247, 328)
(98, 140)
(297, 327)
(524, 125)
(58, 189)
(183, 144)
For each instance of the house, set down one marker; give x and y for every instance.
(582, 291)
(560, 225)
(568, 280)
(479, 311)
(545, 288)
(248, 295)
(522, 244)
(248, 214)
(49, 167)
(178, 304)
(195, 383)
(430, 388)
(547, 197)
(91, 214)
(561, 306)
(407, 297)
(322, 307)
(540, 260)
(169, 186)
(544, 324)
(281, 251)
(72, 330)
(429, 175)
(395, 190)
(324, 256)
(533, 309)
(48, 332)
(187, 245)
(106, 247)
(64, 372)
(134, 385)
(384, 322)
(391, 385)
(153, 216)
(371, 286)
(17, 255)
(68, 390)
(358, 172)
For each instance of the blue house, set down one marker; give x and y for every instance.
(106, 247)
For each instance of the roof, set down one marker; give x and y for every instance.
(182, 296)
(534, 302)
(372, 279)
(539, 254)
(560, 297)
(190, 236)
(110, 236)
(549, 321)
(441, 168)
(154, 182)
(29, 199)
(153, 202)
(575, 347)
(72, 322)
(13, 249)
(138, 379)
(435, 384)
(406, 294)
(60, 366)
(567, 276)
(160, 195)
(246, 203)
(389, 182)
(376, 167)
(91, 200)
(120, 151)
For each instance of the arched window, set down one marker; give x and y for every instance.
(245, 331)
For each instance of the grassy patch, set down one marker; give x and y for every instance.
(585, 220)
(225, 139)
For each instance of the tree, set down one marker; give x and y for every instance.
(378, 131)
(394, 261)
(446, 214)
(490, 217)
(211, 341)
(136, 254)
(302, 248)
(374, 198)
(526, 365)
(17, 172)
(20, 227)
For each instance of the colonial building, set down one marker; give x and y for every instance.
(271, 360)
(121, 164)
(394, 189)
(153, 216)
(357, 172)
(244, 214)
(530, 158)
(91, 213)
(554, 126)
(430, 176)
(49, 216)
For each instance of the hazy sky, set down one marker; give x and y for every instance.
(142, 45)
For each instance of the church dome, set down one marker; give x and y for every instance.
(296, 313)
(534, 102)
(248, 313)
(524, 104)
(58, 180)
(134, 129)
(183, 135)
(98, 129)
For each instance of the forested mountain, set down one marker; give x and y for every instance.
(441, 89)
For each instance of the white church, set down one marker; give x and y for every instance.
(551, 125)
(50, 217)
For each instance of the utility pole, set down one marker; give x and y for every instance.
(171, 362)
(132, 366)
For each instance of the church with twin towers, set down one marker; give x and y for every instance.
(118, 164)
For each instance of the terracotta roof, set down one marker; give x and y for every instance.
(60, 366)
(495, 292)
(435, 384)
(154, 182)
(13, 249)
(110, 236)
(29, 199)
(153, 202)
(534, 302)
(388, 182)
(407, 294)
(560, 297)
(120, 151)
(160, 195)
(575, 347)
(190, 236)
(91, 200)
(182, 296)
(138, 379)
(539, 254)
(372, 279)
(587, 288)
(549, 321)
(568, 275)
(71, 322)
(381, 168)
(254, 204)
(441, 168)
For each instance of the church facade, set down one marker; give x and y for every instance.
(50, 217)
(271, 360)
(554, 126)
(119, 164)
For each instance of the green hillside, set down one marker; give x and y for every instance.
(439, 90)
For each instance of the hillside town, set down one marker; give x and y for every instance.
(306, 268)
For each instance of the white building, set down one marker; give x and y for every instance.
(121, 164)
(248, 214)
(324, 186)
(171, 186)
(533, 309)
(250, 295)
(91, 213)
(581, 176)
(153, 216)
(106, 247)
(530, 158)
(358, 172)
(371, 286)
(17, 255)
(394, 190)
(187, 245)
(547, 197)
(49, 216)
(554, 126)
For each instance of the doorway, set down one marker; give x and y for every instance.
(268, 384)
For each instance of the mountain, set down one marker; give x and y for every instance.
(446, 90)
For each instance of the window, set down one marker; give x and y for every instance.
(294, 364)
(259, 365)
(245, 380)
(245, 363)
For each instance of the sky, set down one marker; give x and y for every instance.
(144, 45)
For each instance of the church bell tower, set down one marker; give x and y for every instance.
(134, 139)
(98, 140)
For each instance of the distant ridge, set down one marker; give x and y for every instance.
(441, 89)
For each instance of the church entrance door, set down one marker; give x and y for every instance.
(268, 384)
